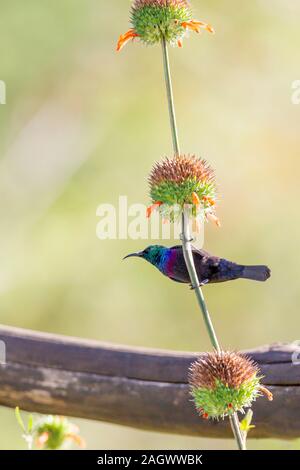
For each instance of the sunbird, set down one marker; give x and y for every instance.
(210, 269)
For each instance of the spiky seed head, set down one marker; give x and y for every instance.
(230, 368)
(183, 180)
(223, 383)
(154, 19)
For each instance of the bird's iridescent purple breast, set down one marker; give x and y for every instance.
(167, 262)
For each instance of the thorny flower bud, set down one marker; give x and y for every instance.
(223, 383)
(153, 20)
(184, 180)
(53, 432)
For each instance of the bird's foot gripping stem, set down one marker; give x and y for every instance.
(203, 283)
(183, 239)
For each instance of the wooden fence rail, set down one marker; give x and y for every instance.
(145, 389)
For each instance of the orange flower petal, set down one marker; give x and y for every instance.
(196, 26)
(191, 25)
(210, 29)
(195, 199)
(179, 43)
(209, 200)
(152, 208)
(42, 439)
(199, 23)
(78, 440)
(214, 219)
(125, 38)
(266, 392)
(206, 26)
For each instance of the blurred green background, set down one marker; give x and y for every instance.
(83, 125)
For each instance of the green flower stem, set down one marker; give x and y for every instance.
(236, 429)
(170, 97)
(186, 241)
(189, 261)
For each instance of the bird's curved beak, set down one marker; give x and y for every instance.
(131, 255)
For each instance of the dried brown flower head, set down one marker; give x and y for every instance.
(181, 168)
(223, 383)
(180, 181)
(230, 368)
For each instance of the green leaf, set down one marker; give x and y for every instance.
(30, 424)
(245, 424)
(19, 418)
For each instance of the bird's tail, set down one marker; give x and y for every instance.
(256, 273)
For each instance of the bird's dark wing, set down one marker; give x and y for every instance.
(177, 280)
(176, 247)
(206, 265)
(179, 269)
(202, 253)
(212, 269)
(196, 252)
